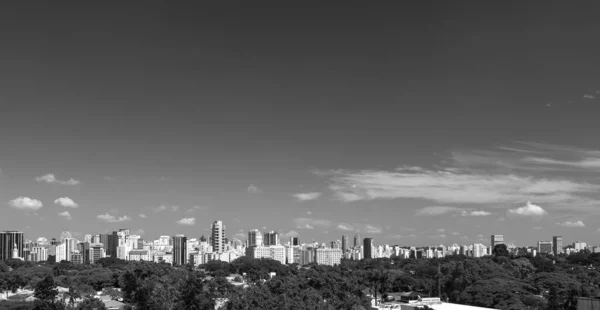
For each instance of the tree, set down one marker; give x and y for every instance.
(500, 250)
(554, 299)
(91, 304)
(45, 290)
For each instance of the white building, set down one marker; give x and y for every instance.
(328, 256)
(41, 253)
(276, 252)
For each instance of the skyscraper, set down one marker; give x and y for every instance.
(271, 238)
(294, 241)
(255, 238)
(8, 239)
(497, 239)
(557, 245)
(179, 250)
(218, 237)
(356, 240)
(368, 248)
(344, 244)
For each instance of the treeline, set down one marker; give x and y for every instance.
(498, 281)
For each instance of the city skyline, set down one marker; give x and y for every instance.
(405, 123)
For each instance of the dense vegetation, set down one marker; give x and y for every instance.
(498, 281)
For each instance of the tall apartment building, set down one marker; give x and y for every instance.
(179, 250)
(271, 238)
(218, 239)
(496, 239)
(344, 244)
(41, 253)
(368, 248)
(275, 252)
(327, 256)
(557, 245)
(357, 240)
(255, 238)
(8, 239)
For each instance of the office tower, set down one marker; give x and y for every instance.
(497, 239)
(557, 245)
(368, 248)
(294, 241)
(61, 253)
(218, 237)
(328, 257)
(84, 249)
(8, 239)
(179, 250)
(255, 238)
(545, 247)
(344, 244)
(110, 243)
(70, 247)
(271, 238)
(356, 240)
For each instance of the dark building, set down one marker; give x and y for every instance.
(294, 241)
(368, 248)
(179, 250)
(557, 245)
(8, 239)
(110, 243)
(344, 245)
(271, 238)
(84, 249)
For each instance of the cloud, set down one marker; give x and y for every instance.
(196, 208)
(112, 219)
(436, 210)
(26, 203)
(588, 96)
(345, 226)
(589, 162)
(475, 213)
(291, 233)
(142, 215)
(308, 212)
(309, 223)
(160, 208)
(66, 202)
(252, 189)
(307, 196)
(187, 221)
(50, 178)
(454, 233)
(572, 224)
(174, 208)
(372, 229)
(441, 230)
(66, 215)
(528, 210)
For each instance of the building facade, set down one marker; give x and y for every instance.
(496, 239)
(179, 250)
(557, 245)
(8, 239)
(368, 248)
(218, 237)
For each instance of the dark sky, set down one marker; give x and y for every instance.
(215, 97)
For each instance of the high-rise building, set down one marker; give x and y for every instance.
(96, 252)
(294, 241)
(218, 237)
(179, 250)
(356, 240)
(255, 238)
(84, 249)
(110, 242)
(545, 247)
(368, 248)
(271, 238)
(41, 253)
(496, 239)
(557, 245)
(579, 246)
(344, 244)
(8, 239)
(330, 257)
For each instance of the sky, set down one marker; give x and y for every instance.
(413, 123)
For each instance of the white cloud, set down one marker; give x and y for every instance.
(307, 196)
(291, 233)
(66, 202)
(112, 219)
(528, 210)
(455, 233)
(50, 178)
(309, 223)
(308, 212)
(65, 214)
(436, 210)
(372, 229)
(476, 213)
(345, 226)
(142, 215)
(160, 208)
(572, 224)
(196, 208)
(26, 203)
(588, 162)
(588, 96)
(253, 189)
(187, 221)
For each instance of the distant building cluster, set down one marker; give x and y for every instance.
(180, 249)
